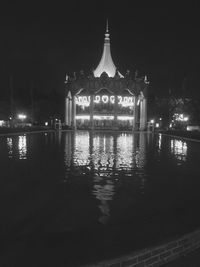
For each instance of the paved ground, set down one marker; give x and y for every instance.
(192, 260)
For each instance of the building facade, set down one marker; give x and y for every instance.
(106, 99)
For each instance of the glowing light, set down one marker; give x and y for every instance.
(193, 128)
(46, 123)
(112, 99)
(2, 123)
(22, 116)
(151, 121)
(83, 101)
(99, 117)
(125, 118)
(125, 101)
(180, 117)
(105, 99)
(157, 125)
(97, 99)
(82, 117)
(170, 126)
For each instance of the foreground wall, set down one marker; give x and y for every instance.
(156, 256)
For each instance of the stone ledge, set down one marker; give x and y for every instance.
(158, 255)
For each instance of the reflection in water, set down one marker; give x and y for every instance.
(10, 147)
(159, 142)
(17, 146)
(103, 190)
(68, 149)
(22, 147)
(124, 151)
(103, 154)
(58, 135)
(81, 149)
(106, 158)
(141, 152)
(179, 149)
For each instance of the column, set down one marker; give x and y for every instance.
(67, 111)
(74, 112)
(143, 115)
(70, 112)
(92, 111)
(68, 106)
(135, 114)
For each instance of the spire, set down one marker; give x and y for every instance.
(106, 63)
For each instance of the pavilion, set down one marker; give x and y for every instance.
(106, 99)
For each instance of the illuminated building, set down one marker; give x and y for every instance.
(106, 99)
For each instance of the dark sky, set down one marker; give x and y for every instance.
(43, 42)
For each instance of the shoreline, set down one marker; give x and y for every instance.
(185, 135)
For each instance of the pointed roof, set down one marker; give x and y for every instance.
(106, 63)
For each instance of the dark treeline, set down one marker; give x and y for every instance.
(38, 106)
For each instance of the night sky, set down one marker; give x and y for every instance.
(41, 43)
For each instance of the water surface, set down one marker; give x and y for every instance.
(77, 197)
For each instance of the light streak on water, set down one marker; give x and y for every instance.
(22, 147)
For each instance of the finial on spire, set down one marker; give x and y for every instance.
(107, 25)
(107, 35)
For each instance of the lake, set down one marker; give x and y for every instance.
(77, 197)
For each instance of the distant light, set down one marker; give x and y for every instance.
(2, 123)
(46, 123)
(151, 121)
(157, 125)
(193, 128)
(22, 116)
(170, 126)
(97, 117)
(82, 117)
(160, 119)
(125, 118)
(10, 118)
(180, 117)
